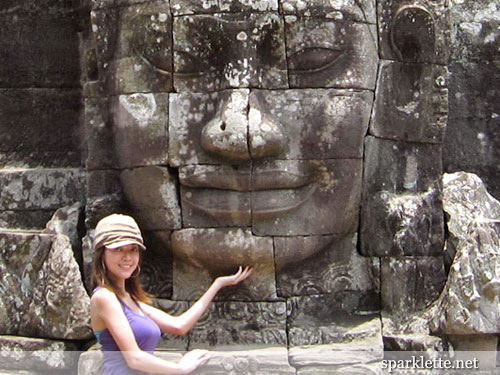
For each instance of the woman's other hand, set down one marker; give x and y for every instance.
(194, 359)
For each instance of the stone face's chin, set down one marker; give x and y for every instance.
(222, 249)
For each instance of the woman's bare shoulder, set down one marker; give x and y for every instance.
(103, 297)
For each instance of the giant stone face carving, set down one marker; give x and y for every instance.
(239, 131)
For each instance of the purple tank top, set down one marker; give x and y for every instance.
(146, 332)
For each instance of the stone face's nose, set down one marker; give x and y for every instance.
(241, 130)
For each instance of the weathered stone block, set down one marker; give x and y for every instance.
(157, 265)
(30, 43)
(140, 129)
(320, 320)
(469, 303)
(152, 194)
(239, 324)
(334, 9)
(374, 368)
(474, 31)
(35, 189)
(359, 341)
(134, 47)
(41, 159)
(273, 360)
(329, 53)
(473, 135)
(37, 355)
(90, 363)
(44, 292)
(411, 284)
(307, 210)
(102, 182)
(35, 219)
(184, 7)
(100, 151)
(229, 50)
(402, 209)
(327, 265)
(318, 123)
(201, 254)
(411, 102)
(98, 4)
(40, 120)
(414, 31)
(168, 341)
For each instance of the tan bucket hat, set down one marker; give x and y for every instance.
(117, 230)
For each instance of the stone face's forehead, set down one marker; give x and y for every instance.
(152, 47)
(356, 10)
(213, 52)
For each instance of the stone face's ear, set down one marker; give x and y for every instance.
(413, 35)
(414, 31)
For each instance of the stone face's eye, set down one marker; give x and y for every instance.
(313, 59)
(188, 64)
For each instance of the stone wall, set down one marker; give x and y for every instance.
(361, 261)
(472, 140)
(42, 145)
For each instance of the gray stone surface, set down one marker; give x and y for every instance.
(338, 10)
(39, 122)
(37, 356)
(411, 284)
(152, 193)
(327, 265)
(472, 140)
(182, 7)
(133, 44)
(321, 320)
(241, 324)
(33, 36)
(100, 150)
(412, 102)
(358, 340)
(43, 291)
(401, 212)
(140, 129)
(31, 195)
(469, 303)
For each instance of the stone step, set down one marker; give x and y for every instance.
(327, 359)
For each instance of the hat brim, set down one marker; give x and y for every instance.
(117, 244)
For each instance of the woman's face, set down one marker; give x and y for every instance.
(122, 261)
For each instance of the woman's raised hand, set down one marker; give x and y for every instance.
(237, 278)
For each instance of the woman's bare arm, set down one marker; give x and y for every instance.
(182, 324)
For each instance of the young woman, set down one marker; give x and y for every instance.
(123, 320)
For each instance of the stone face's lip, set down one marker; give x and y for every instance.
(244, 181)
(257, 204)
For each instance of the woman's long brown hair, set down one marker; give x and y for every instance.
(100, 278)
